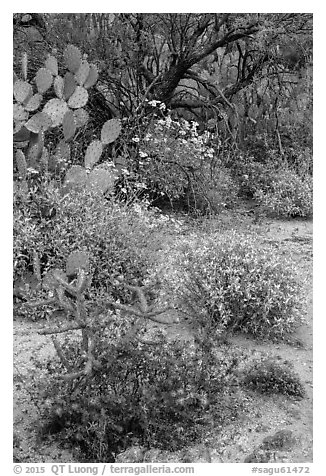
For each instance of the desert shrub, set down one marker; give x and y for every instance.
(231, 283)
(217, 194)
(153, 396)
(250, 174)
(269, 377)
(115, 236)
(176, 161)
(287, 195)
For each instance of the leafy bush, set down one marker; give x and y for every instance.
(282, 188)
(288, 195)
(115, 236)
(268, 376)
(250, 174)
(152, 396)
(219, 193)
(230, 283)
(177, 162)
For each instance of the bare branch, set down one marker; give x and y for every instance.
(61, 330)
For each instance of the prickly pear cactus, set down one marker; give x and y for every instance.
(22, 91)
(39, 122)
(76, 177)
(92, 77)
(44, 80)
(79, 98)
(72, 57)
(21, 164)
(102, 179)
(75, 261)
(110, 131)
(81, 117)
(19, 113)
(82, 73)
(34, 102)
(69, 125)
(51, 64)
(58, 86)
(93, 153)
(56, 109)
(33, 117)
(69, 85)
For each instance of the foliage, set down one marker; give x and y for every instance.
(230, 283)
(269, 377)
(187, 50)
(288, 195)
(250, 173)
(59, 102)
(177, 162)
(114, 235)
(238, 75)
(154, 396)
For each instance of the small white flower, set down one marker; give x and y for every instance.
(168, 121)
(142, 154)
(135, 139)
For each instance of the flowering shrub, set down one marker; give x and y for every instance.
(177, 162)
(267, 376)
(114, 236)
(230, 283)
(287, 195)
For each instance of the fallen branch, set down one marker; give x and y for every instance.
(61, 330)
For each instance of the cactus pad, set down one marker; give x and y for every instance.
(22, 135)
(101, 179)
(93, 153)
(24, 65)
(19, 113)
(92, 77)
(39, 122)
(18, 124)
(76, 176)
(75, 261)
(51, 64)
(58, 86)
(34, 102)
(72, 57)
(21, 164)
(69, 125)
(69, 85)
(81, 117)
(110, 131)
(22, 90)
(56, 109)
(82, 73)
(79, 98)
(43, 79)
